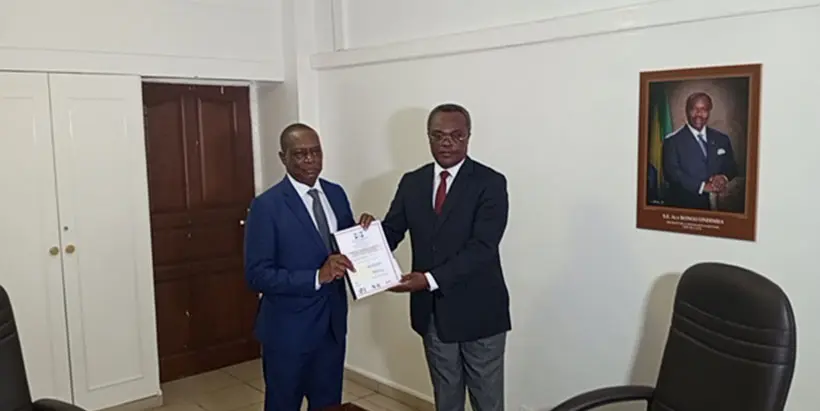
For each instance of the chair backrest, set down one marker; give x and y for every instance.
(731, 344)
(14, 389)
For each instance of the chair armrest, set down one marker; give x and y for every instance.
(54, 405)
(604, 396)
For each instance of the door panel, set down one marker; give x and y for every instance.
(224, 141)
(200, 168)
(165, 145)
(174, 325)
(29, 228)
(99, 148)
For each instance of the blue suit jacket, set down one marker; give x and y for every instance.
(685, 167)
(283, 251)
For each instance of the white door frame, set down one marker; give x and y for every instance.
(253, 86)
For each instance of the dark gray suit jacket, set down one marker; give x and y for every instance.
(685, 168)
(460, 248)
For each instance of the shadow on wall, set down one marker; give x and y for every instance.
(657, 318)
(655, 309)
(277, 108)
(564, 307)
(646, 360)
(389, 313)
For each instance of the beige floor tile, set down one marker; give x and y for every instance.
(405, 398)
(241, 388)
(229, 399)
(355, 389)
(348, 397)
(246, 371)
(175, 395)
(259, 384)
(255, 407)
(179, 407)
(388, 403)
(183, 390)
(367, 405)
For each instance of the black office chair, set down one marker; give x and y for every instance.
(14, 390)
(731, 347)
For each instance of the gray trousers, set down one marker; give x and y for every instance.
(477, 366)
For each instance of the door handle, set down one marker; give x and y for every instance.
(241, 222)
(70, 249)
(54, 250)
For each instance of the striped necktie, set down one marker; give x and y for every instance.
(702, 142)
(321, 219)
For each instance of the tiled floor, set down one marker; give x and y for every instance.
(240, 388)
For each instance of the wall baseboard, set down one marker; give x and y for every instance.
(653, 14)
(389, 389)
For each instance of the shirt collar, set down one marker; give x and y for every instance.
(302, 189)
(452, 170)
(695, 132)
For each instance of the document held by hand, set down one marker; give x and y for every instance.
(376, 269)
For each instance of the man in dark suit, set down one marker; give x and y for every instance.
(697, 160)
(456, 212)
(289, 259)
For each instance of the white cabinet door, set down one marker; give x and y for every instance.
(29, 232)
(100, 160)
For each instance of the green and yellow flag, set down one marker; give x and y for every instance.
(660, 126)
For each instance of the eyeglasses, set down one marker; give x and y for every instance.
(303, 155)
(455, 137)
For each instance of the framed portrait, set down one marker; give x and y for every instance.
(698, 151)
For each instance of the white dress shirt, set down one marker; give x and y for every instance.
(437, 169)
(701, 143)
(332, 223)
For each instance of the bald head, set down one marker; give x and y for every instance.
(699, 96)
(301, 153)
(293, 131)
(698, 109)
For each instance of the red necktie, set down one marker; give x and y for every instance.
(441, 192)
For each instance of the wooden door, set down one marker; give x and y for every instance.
(106, 237)
(200, 176)
(29, 232)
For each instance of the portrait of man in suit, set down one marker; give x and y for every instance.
(698, 138)
(697, 160)
(697, 144)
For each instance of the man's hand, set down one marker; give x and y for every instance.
(334, 267)
(717, 184)
(365, 220)
(709, 187)
(721, 183)
(411, 282)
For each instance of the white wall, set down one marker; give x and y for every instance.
(294, 99)
(227, 39)
(558, 114)
(366, 23)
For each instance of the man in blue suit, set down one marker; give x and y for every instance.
(290, 259)
(697, 160)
